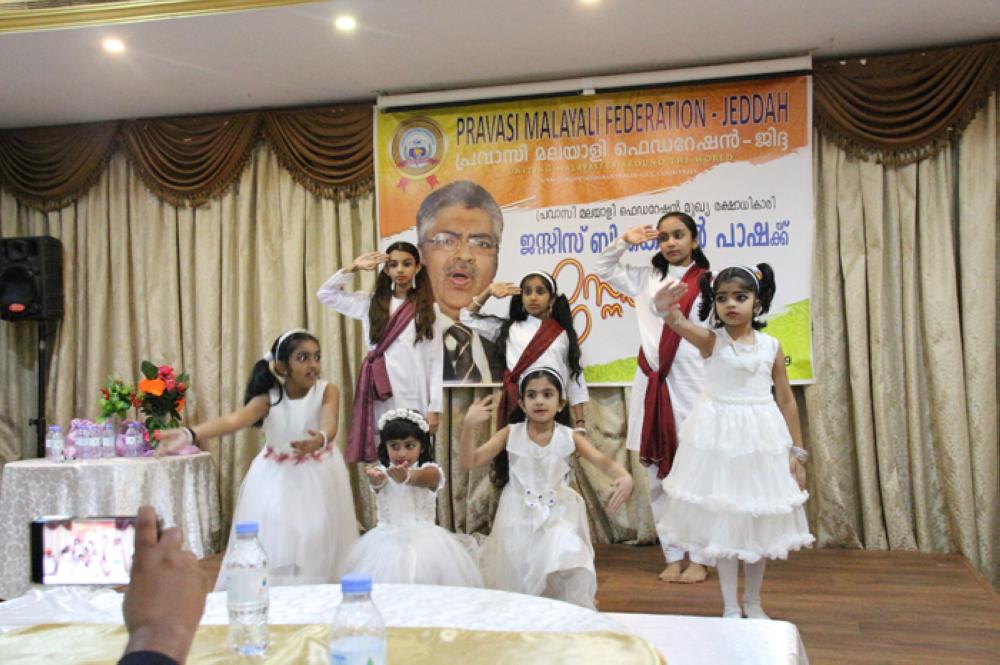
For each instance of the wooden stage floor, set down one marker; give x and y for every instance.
(851, 607)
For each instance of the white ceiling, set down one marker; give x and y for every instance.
(293, 55)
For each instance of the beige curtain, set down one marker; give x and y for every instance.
(204, 289)
(903, 416)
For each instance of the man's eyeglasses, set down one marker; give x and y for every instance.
(449, 242)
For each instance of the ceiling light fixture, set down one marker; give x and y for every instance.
(112, 45)
(345, 23)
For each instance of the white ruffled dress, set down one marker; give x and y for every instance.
(540, 542)
(407, 547)
(730, 492)
(303, 507)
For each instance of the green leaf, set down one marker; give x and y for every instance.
(149, 370)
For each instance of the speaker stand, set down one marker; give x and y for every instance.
(43, 366)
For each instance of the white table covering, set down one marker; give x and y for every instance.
(682, 640)
(183, 490)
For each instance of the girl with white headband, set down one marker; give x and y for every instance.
(737, 485)
(297, 488)
(669, 371)
(540, 541)
(407, 547)
(537, 333)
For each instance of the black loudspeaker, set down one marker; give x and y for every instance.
(31, 285)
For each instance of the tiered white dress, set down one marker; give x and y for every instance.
(407, 547)
(730, 492)
(304, 509)
(540, 543)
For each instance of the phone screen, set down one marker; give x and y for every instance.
(82, 550)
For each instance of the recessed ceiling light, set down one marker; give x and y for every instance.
(589, 2)
(345, 23)
(112, 45)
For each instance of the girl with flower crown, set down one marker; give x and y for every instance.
(737, 485)
(297, 488)
(404, 367)
(407, 547)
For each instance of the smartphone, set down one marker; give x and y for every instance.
(82, 550)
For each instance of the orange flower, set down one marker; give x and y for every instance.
(154, 387)
(180, 405)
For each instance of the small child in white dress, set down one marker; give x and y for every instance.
(540, 542)
(407, 547)
(737, 484)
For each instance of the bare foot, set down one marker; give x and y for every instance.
(672, 573)
(695, 573)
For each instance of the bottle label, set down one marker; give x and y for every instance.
(247, 586)
(358, 650)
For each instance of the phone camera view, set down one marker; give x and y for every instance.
(87, 551)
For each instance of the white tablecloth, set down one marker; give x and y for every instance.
(183, 490)
(682, 640)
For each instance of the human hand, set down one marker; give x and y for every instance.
(171, 440)
(479, 411)
(798, 470)
(315, 442)
(640, 234)
(433, 420)
(375, 476)
(621, 490)
(504, 289)
(369, 261)
(668, 297)
(399, 472)
(165, 598)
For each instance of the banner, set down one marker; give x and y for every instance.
(573, 173)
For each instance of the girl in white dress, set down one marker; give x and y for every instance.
(537, 333)
(670, 371)
(405, 362)
(737, 485)
(407, 547)
(297, 488)
(540, 542)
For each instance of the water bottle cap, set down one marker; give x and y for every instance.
(55, 428)
(246, 529)
(356, 583)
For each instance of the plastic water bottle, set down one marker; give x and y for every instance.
(357, 631)
(85, 441)
(247, 593)
(107, 440)
(54, 444)
(133, 438)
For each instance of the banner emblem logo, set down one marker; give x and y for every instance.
(417, 147)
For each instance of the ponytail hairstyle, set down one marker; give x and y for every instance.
(759, 281)
(560, 313)
(500, 470)
(420, 293)
(660, 262)
(263, 378)
(404, 428)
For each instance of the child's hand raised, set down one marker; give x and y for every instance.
(504, 289)
(639, 234)
(668, 297)
(369, 261)
(399, 472)
(621, 491)
(479, 411)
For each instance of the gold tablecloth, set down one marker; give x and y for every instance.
(98, 643)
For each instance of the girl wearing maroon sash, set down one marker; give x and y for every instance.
(671, 370)
(537, 333)
(404, 365)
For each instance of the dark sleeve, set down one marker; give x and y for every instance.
(146, 658)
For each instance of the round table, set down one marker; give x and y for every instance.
(183, 489)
